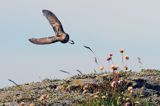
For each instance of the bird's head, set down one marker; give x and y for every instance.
(66, 38)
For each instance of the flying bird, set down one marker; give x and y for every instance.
(60, 35)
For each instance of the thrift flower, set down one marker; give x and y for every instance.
(121, 50)
(128, 103)
(110, 54)
(113, 84)
(109, 58)
(126, 57)
(101, 68)
(114, 67)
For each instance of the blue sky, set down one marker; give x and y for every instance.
(105, 25)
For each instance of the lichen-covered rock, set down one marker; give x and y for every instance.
(74, 90)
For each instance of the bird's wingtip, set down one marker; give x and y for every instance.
(30, 40)
(44, 11)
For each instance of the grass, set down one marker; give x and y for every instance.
(119, 96)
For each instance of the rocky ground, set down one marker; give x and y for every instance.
(76, 90)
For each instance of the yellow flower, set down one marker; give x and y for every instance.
(130, 88)
(103, 97)
(137, 102)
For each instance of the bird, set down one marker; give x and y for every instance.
(60, 35)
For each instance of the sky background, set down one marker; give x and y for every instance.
(104, 25)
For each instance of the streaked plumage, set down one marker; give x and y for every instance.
(60, 35)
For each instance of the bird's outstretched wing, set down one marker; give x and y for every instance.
(53, 20)
(45, 40)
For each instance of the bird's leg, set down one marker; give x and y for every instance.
(71, 42)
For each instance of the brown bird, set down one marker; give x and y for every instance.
(60, 35)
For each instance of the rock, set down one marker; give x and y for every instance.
(73, 87)
(77, 88)
(11, 104)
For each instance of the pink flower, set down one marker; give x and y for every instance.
(121, 50)
(113, 84)
(126, 57)
(101, 68)
(110, 54)
(128, 104)
(114, 67)
(109, 58)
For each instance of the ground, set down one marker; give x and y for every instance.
(86, 90)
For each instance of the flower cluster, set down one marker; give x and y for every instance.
(115, 68)
(126, 58)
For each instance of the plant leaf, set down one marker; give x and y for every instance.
(88, 48)
(64, 71)
(79, 72)
(96, 61)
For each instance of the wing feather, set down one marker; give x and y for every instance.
(45, 40)
(54, 21)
